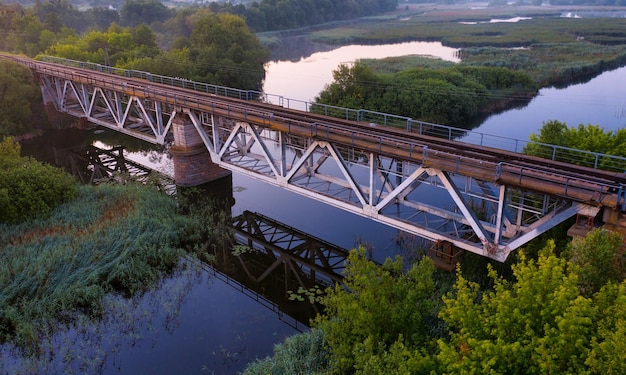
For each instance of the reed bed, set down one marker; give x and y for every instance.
(111, 239)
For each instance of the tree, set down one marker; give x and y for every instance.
(115, 46)
(224, 51)
(598, 257)
(352, 87)
(136, 12)
(378, 308)
(17, 92)
(592, 138)
(608, 347)
(538, 323)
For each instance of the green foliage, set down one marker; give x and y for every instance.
(313, 294)
(304, 353)
(397, 64)
(541, 319)
(539, 323)
(551, 63)
(136, 12)
(220, 50)
(598, 257)
(224, 51)
(291, 14)
(608, 352)
(28, 188)
(109, 239)
(377, 307)
(448, 95)
(17, 91)
(113, 47)
(589, 137)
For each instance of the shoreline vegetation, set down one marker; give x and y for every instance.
(552, 50)
(116, 239)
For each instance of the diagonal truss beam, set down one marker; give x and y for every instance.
(476, 214)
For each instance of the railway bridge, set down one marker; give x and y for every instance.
(417, 177)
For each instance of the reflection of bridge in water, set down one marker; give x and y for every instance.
(265, 260)
(92, 164)
(459, 195)
(271, 261)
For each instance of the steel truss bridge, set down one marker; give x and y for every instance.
(481, 199)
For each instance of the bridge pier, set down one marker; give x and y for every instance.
(192, 161)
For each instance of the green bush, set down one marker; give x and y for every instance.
(304, 353)
(29, 188)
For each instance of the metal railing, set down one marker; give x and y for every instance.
(552, 152)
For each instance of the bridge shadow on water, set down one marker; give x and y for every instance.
(273, 263)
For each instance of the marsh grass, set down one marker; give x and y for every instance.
(400, 63)
(111, 239)
(553, 50)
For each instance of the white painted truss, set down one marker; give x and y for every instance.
(477, 216)
(480, 216)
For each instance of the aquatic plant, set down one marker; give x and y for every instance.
(111, 239)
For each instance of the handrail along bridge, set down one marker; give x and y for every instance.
(481, 199)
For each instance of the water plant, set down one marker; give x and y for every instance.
(111, 239)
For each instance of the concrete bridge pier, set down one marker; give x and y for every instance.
(192, 161)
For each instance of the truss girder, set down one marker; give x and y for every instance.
(481, 216)
(129, 114)
(386, 190)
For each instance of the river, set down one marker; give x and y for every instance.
(196, 322)
(601, 101)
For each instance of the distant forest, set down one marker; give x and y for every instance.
(265, 15)
(213, 43)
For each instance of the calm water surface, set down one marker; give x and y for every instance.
(305, 78)
(601, 101)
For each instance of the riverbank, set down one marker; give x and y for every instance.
(555, 51)
(551, 43)
(59, 266)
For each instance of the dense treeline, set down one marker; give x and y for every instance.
(214, 44)
(199, 45)
(261, 16)
(290, 14)
(589, 2)
(448, 95)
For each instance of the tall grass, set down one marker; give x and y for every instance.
(110, 239)
(305, 353)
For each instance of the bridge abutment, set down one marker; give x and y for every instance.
(192, 161)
